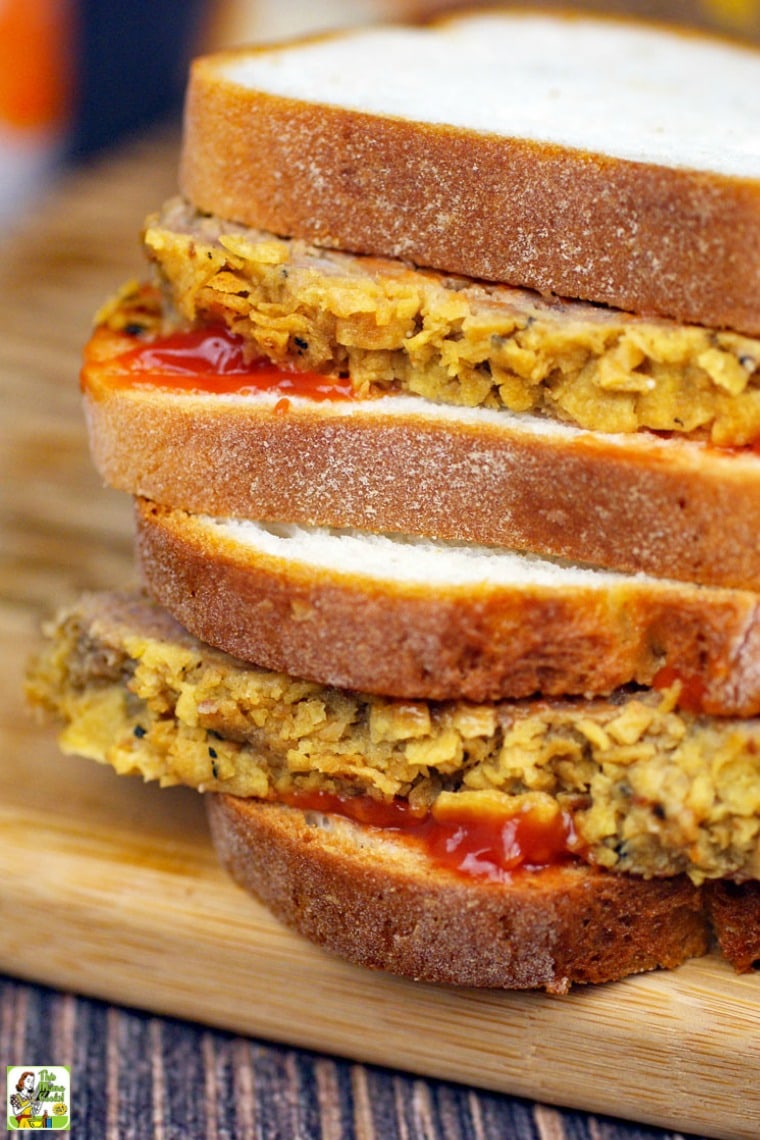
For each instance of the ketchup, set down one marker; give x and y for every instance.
(693, 688)
(480, 843)
(490, 844)
(212, 359)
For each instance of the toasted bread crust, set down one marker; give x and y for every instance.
(480, 643)
(734, 910)
(671, 509)
(641, 237)
(382, 905)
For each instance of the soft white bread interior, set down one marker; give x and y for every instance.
(370, 897)
(400, 463)
(417, 618)
(589, 158)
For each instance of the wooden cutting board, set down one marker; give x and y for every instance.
(110, 887)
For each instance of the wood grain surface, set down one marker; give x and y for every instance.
(109, 887)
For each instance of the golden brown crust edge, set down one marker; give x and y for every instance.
(482, 643)
(376, 903)
(621, 232)
(666, 508)
(734, 910)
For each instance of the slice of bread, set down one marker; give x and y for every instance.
(377, 900)
(667, 507)
(424, 619)
(584, 157)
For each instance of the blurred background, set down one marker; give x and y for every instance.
(78, 76)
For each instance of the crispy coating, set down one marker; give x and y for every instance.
(454, 340)
(653, 790)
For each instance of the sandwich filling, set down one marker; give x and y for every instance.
(389, 326)
(629, 783)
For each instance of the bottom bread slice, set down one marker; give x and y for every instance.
(376, 900)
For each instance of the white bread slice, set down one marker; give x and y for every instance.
(419, 619)
(591, 158)
(668, 507)
(370, 897)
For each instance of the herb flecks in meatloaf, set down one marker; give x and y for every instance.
(653, 790)
(455, 340)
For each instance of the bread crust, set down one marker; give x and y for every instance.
(664, 507)
(483, 642)
(642, 237)
(734, 910)
(383, 905)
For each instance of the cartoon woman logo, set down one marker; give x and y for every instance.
(27, 1107)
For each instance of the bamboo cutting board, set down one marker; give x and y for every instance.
(110, 887)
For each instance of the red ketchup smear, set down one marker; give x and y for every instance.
(213, 360)
(480, 844)
(693, 688)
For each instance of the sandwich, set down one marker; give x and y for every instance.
(440, 410)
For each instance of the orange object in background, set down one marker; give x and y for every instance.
(37, 69)
(36, 63)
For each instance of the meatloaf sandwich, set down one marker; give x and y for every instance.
(440, 413)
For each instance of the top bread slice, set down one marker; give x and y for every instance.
(595, 159)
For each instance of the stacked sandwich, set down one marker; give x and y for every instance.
(439, 416)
